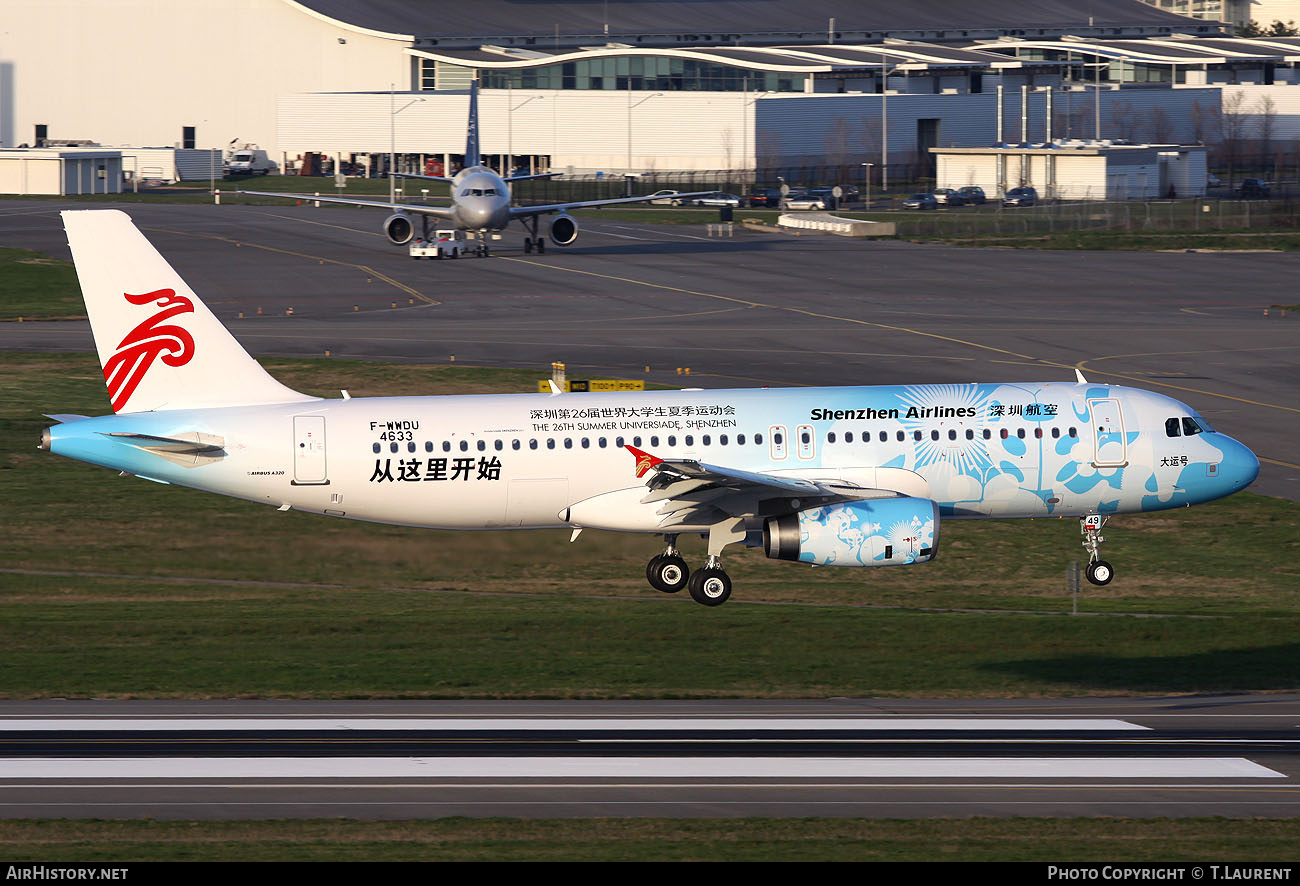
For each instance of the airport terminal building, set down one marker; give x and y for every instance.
(637, 87)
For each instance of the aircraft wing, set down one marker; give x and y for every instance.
(702, 494)
(524, 211)
(438, 211)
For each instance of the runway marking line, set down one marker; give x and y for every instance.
(1021, 767)
(566, 723)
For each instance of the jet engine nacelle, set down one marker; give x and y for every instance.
(399, 229)
(876, 532)
(563, 229)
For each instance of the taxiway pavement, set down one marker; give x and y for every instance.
(754, 309)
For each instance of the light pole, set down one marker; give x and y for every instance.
(866, 181)
(510, 129)
(884, 123)
(393, 111)
(630, 106)
(745, 128)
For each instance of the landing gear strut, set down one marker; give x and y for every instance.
(1099, 572)
(534, 241)
(667, 572)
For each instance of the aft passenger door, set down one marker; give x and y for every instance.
(309, 451)
(1110, 445)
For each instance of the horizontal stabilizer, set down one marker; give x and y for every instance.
(189, 449)
(65, 417)
(427, 178)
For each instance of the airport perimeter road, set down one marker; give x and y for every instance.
(756, 309)
(1191, 756)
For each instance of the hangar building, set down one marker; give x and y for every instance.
(618, 87)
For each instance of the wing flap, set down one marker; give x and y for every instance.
(694, 493)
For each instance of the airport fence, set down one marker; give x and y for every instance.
(903, 178)
(1186, 215)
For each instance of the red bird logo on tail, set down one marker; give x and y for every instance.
(135, 354)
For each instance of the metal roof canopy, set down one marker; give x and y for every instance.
(1165, 52)
(797, 59)
(712, 21)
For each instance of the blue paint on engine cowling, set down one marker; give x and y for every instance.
(880, 532)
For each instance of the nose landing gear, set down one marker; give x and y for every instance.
(1099, 572)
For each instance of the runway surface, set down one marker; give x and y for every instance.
(758, 309)
(1231, 756)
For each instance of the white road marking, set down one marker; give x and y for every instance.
(208, 724)
(1090, 768)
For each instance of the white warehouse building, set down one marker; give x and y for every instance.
(1077, 170)
(571, 85)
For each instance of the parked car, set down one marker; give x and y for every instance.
(948, 197)
(827, 194)
(921, 201)
(765, 197)
(718, 199)
(1020, 197)
(1254, 188)
(805, 200)
(666, 197)
(973, 194)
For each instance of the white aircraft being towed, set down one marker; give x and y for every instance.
(844, 476)
(480, 202)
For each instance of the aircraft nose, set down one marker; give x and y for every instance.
(1239, 467)
(475, 216)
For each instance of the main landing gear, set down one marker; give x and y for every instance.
(667, 572)
(709, 585)
(1099, 571)
(533, 241)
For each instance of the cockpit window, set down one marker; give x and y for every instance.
(1191, 427)
(464, 192)
(1171, 427)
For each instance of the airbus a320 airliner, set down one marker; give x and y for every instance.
(481, 202)
(841, 476)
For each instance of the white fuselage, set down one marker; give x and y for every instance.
(521, 461)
